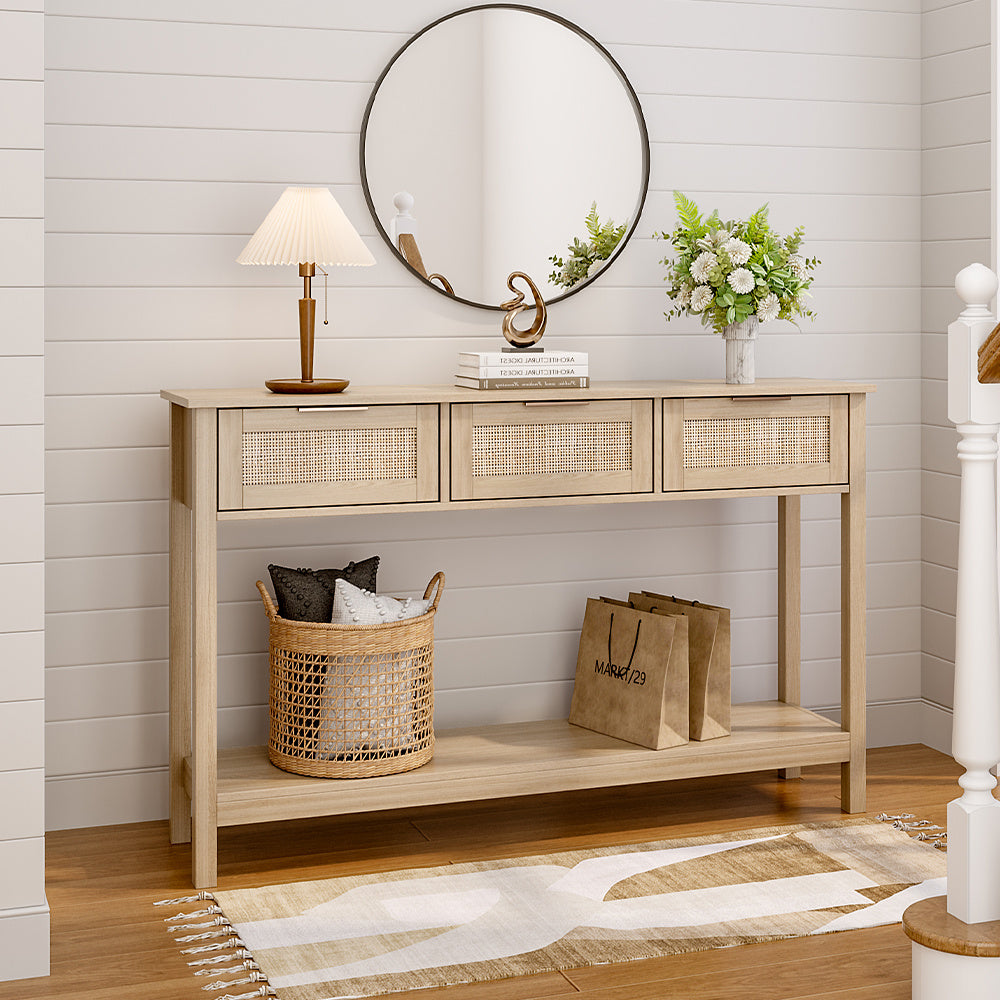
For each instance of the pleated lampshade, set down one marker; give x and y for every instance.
(306, 226)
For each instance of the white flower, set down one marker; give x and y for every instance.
(739, 252)
(713, 241)
(797, 265)
(595, 266)
(741, 281)
(702, 265)
(701, 298)
(684, 297)
(768, 308)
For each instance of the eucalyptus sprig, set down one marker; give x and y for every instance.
(585, 258)
(727, 271)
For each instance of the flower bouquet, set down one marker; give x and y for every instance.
(735, 275)
(584, 258)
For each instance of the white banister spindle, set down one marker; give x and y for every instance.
(974, 819)
(403, 221)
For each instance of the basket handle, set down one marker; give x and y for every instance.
(272, 611)
(437, 578)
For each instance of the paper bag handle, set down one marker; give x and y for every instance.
(611, 625)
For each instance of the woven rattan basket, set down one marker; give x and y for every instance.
(352, 701)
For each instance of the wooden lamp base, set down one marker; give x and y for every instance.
(307, 337)
(297, 385)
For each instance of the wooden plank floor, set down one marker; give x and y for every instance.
(109, 943)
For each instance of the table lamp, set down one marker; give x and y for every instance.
(306, 227)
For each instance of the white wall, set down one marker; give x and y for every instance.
(170, 132)
(24, 919)
(955, 80)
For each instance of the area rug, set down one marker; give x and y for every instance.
(367, 935)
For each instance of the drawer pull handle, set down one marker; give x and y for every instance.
(768, 399)
(331, 409)
(557, 402)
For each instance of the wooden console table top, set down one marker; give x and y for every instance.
(375, 394)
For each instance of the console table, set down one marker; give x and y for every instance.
(247, 453)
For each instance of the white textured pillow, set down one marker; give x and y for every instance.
(354, 606)
(374, 711)
(370, 713)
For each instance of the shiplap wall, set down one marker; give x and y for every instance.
(24, 920)
(955, 74)
(170, 132)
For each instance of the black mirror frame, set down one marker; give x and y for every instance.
(636, 107)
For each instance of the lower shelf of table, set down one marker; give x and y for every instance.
(487, 762)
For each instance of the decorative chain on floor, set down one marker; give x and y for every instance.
(924, 827)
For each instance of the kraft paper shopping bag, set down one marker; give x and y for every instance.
(710, 686)
(632, 675)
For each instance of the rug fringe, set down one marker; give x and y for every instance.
(239, 953)
(232, 949)
(233, 942)
(263, 991)
(923, 826)
(223, 929)
(186, 899)
(247, 966)
(207, 912)
(219, 921)
(253, 976)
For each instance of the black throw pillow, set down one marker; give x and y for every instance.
(360, 574)
(306, 595)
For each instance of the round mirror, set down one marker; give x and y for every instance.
(502, 138)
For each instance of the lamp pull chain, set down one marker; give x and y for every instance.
(326, 296)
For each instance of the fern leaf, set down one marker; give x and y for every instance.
(757, 224)
(687, 211)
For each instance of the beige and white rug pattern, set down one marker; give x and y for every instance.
(373, 934)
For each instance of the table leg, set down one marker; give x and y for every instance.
(180, 625)
(852, 611)
(790, 607)
(204, 594)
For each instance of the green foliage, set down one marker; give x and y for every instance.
(582, 256)
(726, 272)
(687, 212)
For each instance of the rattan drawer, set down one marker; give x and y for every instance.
(327, 456)
(740, 442)
(551, 448)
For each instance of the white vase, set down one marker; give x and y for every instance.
(741, 346)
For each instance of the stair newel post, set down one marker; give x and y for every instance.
(955, 939)
(974, 819)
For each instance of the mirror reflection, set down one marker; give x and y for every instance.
(500, 140)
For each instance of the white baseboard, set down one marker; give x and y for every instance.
(935, 726)
(106, 799)
(24, 943)
(890, 723)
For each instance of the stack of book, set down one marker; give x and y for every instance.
(525, 369)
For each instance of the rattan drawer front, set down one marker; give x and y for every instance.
(551, 449)
(327, 456)
(740, 442)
